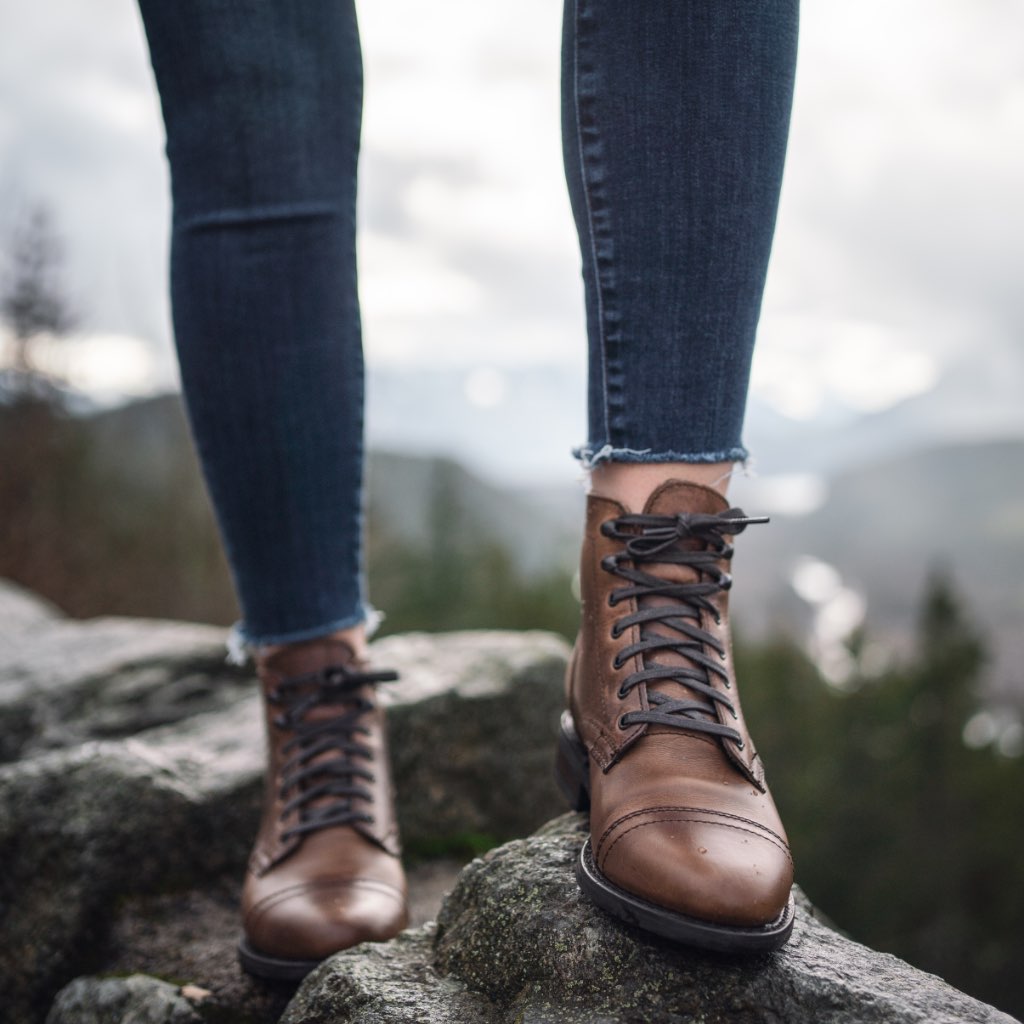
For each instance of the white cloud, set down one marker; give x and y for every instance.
(900, 237)
(806, 364)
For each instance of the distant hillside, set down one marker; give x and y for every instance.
(147, 441)
(957, 507)
(411, 497)
(107, 514)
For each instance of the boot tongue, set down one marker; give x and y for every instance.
(310, 656)
(673, 499)
(311, 659)
(676, 496)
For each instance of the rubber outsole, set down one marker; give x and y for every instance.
(572, 773)
(670, 924)
(273, 968)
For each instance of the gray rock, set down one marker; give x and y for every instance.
(517, 937)
(173, 801)
(134, 1000)
(64, 681)
(20, 610)
(80, 830)
(126, 819)
(473, 726)
(463, 702)
(193, 935)
(393, 983)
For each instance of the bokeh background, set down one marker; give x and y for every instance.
(879, 616)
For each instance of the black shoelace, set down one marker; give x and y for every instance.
(660, 539)
(331, 783)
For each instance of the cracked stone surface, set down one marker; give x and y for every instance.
(517, 942)
(131, 760)
(130, 773)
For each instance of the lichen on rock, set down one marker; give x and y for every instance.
(130, 795)
(517, 934)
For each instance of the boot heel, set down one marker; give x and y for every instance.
(572, 772)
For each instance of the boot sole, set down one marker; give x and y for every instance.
(573, 776)
(273, 968)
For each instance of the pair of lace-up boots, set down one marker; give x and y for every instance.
(685, 841)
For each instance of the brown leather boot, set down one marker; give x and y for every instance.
(325, 873)
(684, 840)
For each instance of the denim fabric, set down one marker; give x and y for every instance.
(262, 102)
(675, 117)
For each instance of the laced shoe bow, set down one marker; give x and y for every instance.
(692, 547)
(326, 763)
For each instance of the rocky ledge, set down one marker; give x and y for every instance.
(129, 794)
(516, 941)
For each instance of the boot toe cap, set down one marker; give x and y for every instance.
(701, 864)
(313, 920)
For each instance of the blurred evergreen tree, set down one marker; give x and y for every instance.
(33, 296)
(903, 835)
(461, 578)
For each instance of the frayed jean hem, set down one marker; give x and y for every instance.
(590, 457)
(241, 645)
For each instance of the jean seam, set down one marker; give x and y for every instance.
(264, 212)
(591, 455)
(241, 643)
(592, 239)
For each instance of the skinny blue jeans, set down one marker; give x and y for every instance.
(675, 116)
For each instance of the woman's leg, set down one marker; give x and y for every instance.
(262, 103)
(675, 120)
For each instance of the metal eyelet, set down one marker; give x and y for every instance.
(616, 663)
(615, 631)
(622, 724)
(622, 694)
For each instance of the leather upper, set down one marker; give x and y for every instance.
(309, 895)
(681, 818)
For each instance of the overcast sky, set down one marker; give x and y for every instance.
(900, 243)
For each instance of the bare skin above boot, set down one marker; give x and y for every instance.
(685, 840)
(325, 872)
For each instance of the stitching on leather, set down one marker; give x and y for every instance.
(257, 909)
(692, 810)
(703, 821)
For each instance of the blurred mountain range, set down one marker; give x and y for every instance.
(519, 424)
(866, 543)
(883, 527)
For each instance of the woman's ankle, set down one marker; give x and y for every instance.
(354, 637)
(632, 483)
